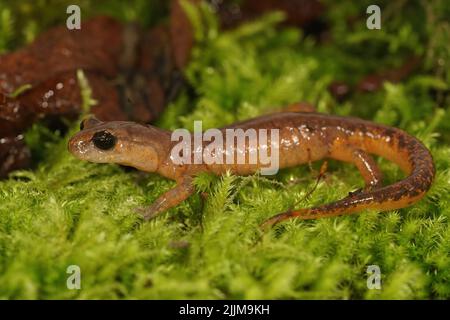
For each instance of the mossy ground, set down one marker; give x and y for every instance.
(67, 212)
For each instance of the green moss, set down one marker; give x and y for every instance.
(68, 212)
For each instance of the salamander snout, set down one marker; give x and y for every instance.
(77, 146)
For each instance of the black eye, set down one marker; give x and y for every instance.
(82, 125)
(104, 140)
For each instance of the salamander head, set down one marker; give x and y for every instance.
(125, 143)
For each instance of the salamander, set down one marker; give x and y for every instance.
(304, 137)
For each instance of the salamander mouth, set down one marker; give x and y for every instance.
(78, 147)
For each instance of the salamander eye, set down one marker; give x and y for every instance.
(82, 125)
(104, 140)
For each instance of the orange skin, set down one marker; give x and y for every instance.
(303, 137)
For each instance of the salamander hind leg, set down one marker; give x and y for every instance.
(353, 202)
(371, 173)
(365, 164)
(169, 199)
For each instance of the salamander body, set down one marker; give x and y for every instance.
(304, 137)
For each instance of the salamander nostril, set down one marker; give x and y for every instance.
(104, 140)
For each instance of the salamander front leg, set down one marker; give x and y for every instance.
(170, 199)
